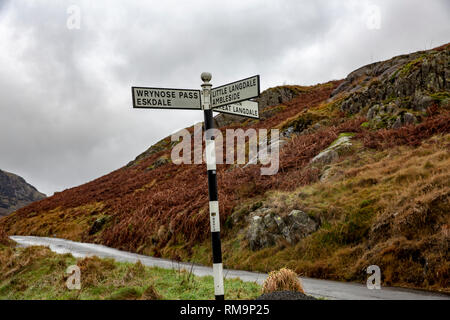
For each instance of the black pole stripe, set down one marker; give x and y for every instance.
(209, 123)
(220, 297)
(212, 185)
(216, 247)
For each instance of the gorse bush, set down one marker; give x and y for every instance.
(282, 280)
(95, 270)
(151, 294)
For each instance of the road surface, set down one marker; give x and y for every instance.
(318, 288)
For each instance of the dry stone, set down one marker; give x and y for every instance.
(330, 154)
(265, 229)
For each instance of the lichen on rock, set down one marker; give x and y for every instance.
(340, 146)
(265, 227)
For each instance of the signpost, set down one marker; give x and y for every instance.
(235, 92)
(230, 98)
(245, 108)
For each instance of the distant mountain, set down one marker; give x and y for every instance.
(16, 193)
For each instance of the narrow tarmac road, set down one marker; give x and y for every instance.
(318, 288)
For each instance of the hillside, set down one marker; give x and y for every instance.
(16, 193)
(363, 179)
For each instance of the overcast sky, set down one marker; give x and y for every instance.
(65, 99)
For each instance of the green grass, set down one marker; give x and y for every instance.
(365, 124)
(409, 66)
(341, 135)
(346, 134)
(440, 96)
(36, 273)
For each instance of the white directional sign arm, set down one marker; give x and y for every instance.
(245, 108)
(235, 92)
(162, 98)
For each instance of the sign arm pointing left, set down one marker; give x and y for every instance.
(165, 98)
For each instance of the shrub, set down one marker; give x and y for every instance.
(151, 294)
(95, 270)
(282, 280)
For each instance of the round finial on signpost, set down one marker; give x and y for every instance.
(206, 77)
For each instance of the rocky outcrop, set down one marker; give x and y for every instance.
(161, 161)
(398, 91)
(278, 95)
(265, 228)
(98, 225)
(16, 193)
(161, 145)
(387, 116)
(340, 146)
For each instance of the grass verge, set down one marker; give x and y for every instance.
(37, 273)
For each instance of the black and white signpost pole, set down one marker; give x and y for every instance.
(233, 98)
(212, 187)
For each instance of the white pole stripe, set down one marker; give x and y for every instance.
(210, 154)
(206, 95)
(218, 279)
(214, 216)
